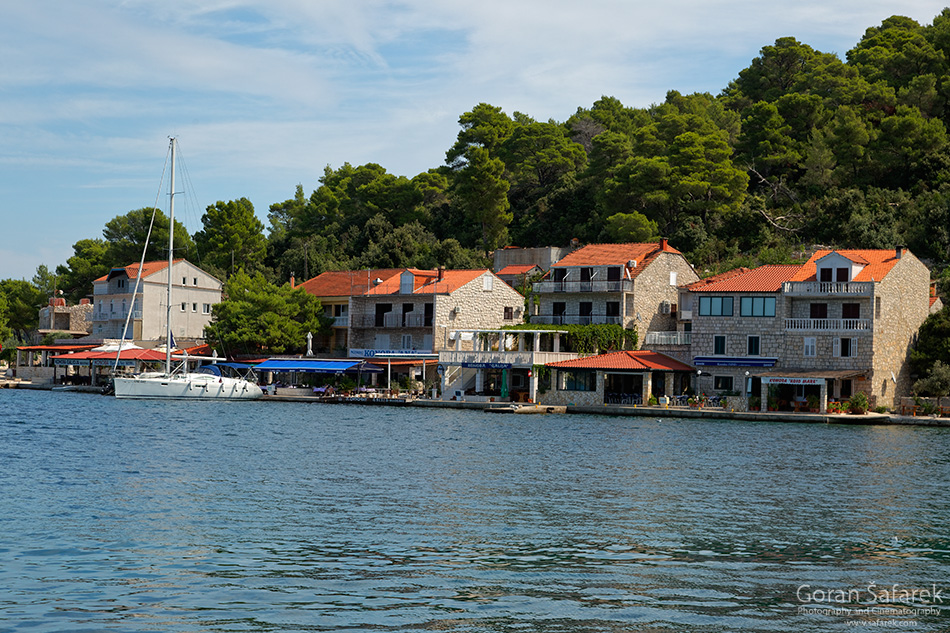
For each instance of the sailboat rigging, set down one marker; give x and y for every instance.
(207, 383)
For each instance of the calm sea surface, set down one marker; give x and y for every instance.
(158, 516)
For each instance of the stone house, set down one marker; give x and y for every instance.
(415, 310)
(59, 317)
(334, 289)
(844, 321)
(634, 285)
(192, 299)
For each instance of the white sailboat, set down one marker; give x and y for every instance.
(179, 383)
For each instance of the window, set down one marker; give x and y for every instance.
(672, 277)
(719, 345)
(194, 307)
(808, 349)
(722, 383)
(819, 310)
(509, 313)
(184, 281)
(715, 306)
(577, 380)
(752, 348)
(587, 273)
(841, 274)
(558, 308)
(586, 308)
(195, 281)
(850, 310)
(487, 282)
(612, 308)
(120, 283)
(407, 341)
(824, 274)
(184, 307)
(845, 347)
(757, 306)
(206, 308)
(877, 307)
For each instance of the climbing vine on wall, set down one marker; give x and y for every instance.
(589, 339)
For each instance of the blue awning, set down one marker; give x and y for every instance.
(316, 366)
(739, 361)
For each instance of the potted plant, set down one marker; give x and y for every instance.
(858, 404)
(653, 401)
(755, 403)
(813, 404)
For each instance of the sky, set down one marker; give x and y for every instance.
(263, 95)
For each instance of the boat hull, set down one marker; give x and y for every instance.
(186, 387)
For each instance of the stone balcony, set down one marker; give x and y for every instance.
(828, 288)
(828, 325)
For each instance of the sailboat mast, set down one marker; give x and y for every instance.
(171, 260)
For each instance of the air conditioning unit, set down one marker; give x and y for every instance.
(665, 307)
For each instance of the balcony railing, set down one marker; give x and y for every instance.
(575, 319)
(668, 338)
(623, 285)
(827, 325)
(521, 359)
(390, 320)
(820, 288)
(341, 321)
(115, 315)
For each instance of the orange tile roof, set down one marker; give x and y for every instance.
(517, 269)
(428, 282)
(346, 283)
(877, 263)
(617, 255)
(132, 270)
(640, 360)
(762, 279)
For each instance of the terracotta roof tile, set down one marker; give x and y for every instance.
(877, 263)
(132, 270)
(428, 282)
(640, 360)
(610, 254)
(762, 279)
(346, 283)
(517, 269)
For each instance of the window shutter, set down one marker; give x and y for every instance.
(837, 347)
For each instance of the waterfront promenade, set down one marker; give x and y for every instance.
(669, 411)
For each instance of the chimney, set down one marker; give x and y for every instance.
(293, 282)
(663, 244)
(899, 251)
(441, 273)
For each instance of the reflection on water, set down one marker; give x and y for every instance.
(124, 515)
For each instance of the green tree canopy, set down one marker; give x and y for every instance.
(232, 236)
(258, 317)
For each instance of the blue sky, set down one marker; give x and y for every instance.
(264, 94)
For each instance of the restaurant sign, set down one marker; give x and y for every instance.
(780, 380)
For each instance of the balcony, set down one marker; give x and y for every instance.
(827, 325)
(391, 320)
(341, 321)
(575, 319)
(668, 338)
(828, 288)
(518, 359)
(623, 285)
(115, 315)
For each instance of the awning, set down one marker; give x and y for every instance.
(738, 361)
(317, 366)
(807, 376)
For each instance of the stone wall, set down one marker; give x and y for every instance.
(905, 303)
(556, 397)
(652, 287)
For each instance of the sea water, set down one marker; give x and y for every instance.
(269, 516)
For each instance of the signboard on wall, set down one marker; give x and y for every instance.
(779, 380)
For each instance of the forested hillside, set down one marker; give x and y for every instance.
(802, 148)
